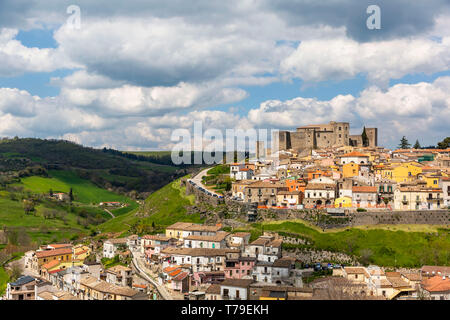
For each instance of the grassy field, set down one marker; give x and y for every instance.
(163, 207)
(4, 278)
(385, 247)
(61, 181)
(12, 215)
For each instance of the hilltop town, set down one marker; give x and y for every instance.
(350, 176)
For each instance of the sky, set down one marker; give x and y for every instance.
(125, 75)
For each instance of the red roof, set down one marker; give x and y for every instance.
(364, 189)
(180, 277)
(437, 284)
(55, 252)
(354, 154)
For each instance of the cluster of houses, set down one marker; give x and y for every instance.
(63, 272)
(194, 261)
(346, 177)
(205, 262)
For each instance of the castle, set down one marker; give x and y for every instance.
(323, 136)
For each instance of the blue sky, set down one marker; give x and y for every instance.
(130, 75)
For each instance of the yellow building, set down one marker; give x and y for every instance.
(406, 172)
(40, 258)
(432, 180)
(350, 170)
(343, 202)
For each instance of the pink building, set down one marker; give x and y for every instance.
(239, 268)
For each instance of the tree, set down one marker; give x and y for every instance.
(50, 192)
(366, 255)
(71, 195)
(365, 139)
(417, 145)
(444, 144)
(404, 144)
(28, 206)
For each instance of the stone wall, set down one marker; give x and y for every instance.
(401, 217)
(440, 217)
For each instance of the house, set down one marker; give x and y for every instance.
(235, 289)
(213, 292)
(239, 239)
(364, 196)
(319, 195)
(216, 241)
(181, 282)
(417, 197)
(265, 248)
(355, 157)
(63, 255)
(264, 192)
(112, 246)
(60, 196)
(181, 230)
(95, 289)
(240, 268)
(119, 275)
(21, 289)
(281, 270)
(289, 199)
(235, 168)
(350, 169)
(244, 174)
(436, 288)
(238, 188)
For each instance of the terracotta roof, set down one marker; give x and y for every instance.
(181, 276)
(364, 189)
(157, 237)
(51, 253)
(353, 154)
(175, 272)
(437, 284)
(51, 264)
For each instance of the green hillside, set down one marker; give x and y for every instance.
(106, 168)
(380, 247)
(162, 208)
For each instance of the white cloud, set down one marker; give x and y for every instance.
(343, 58)
(17, 59)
